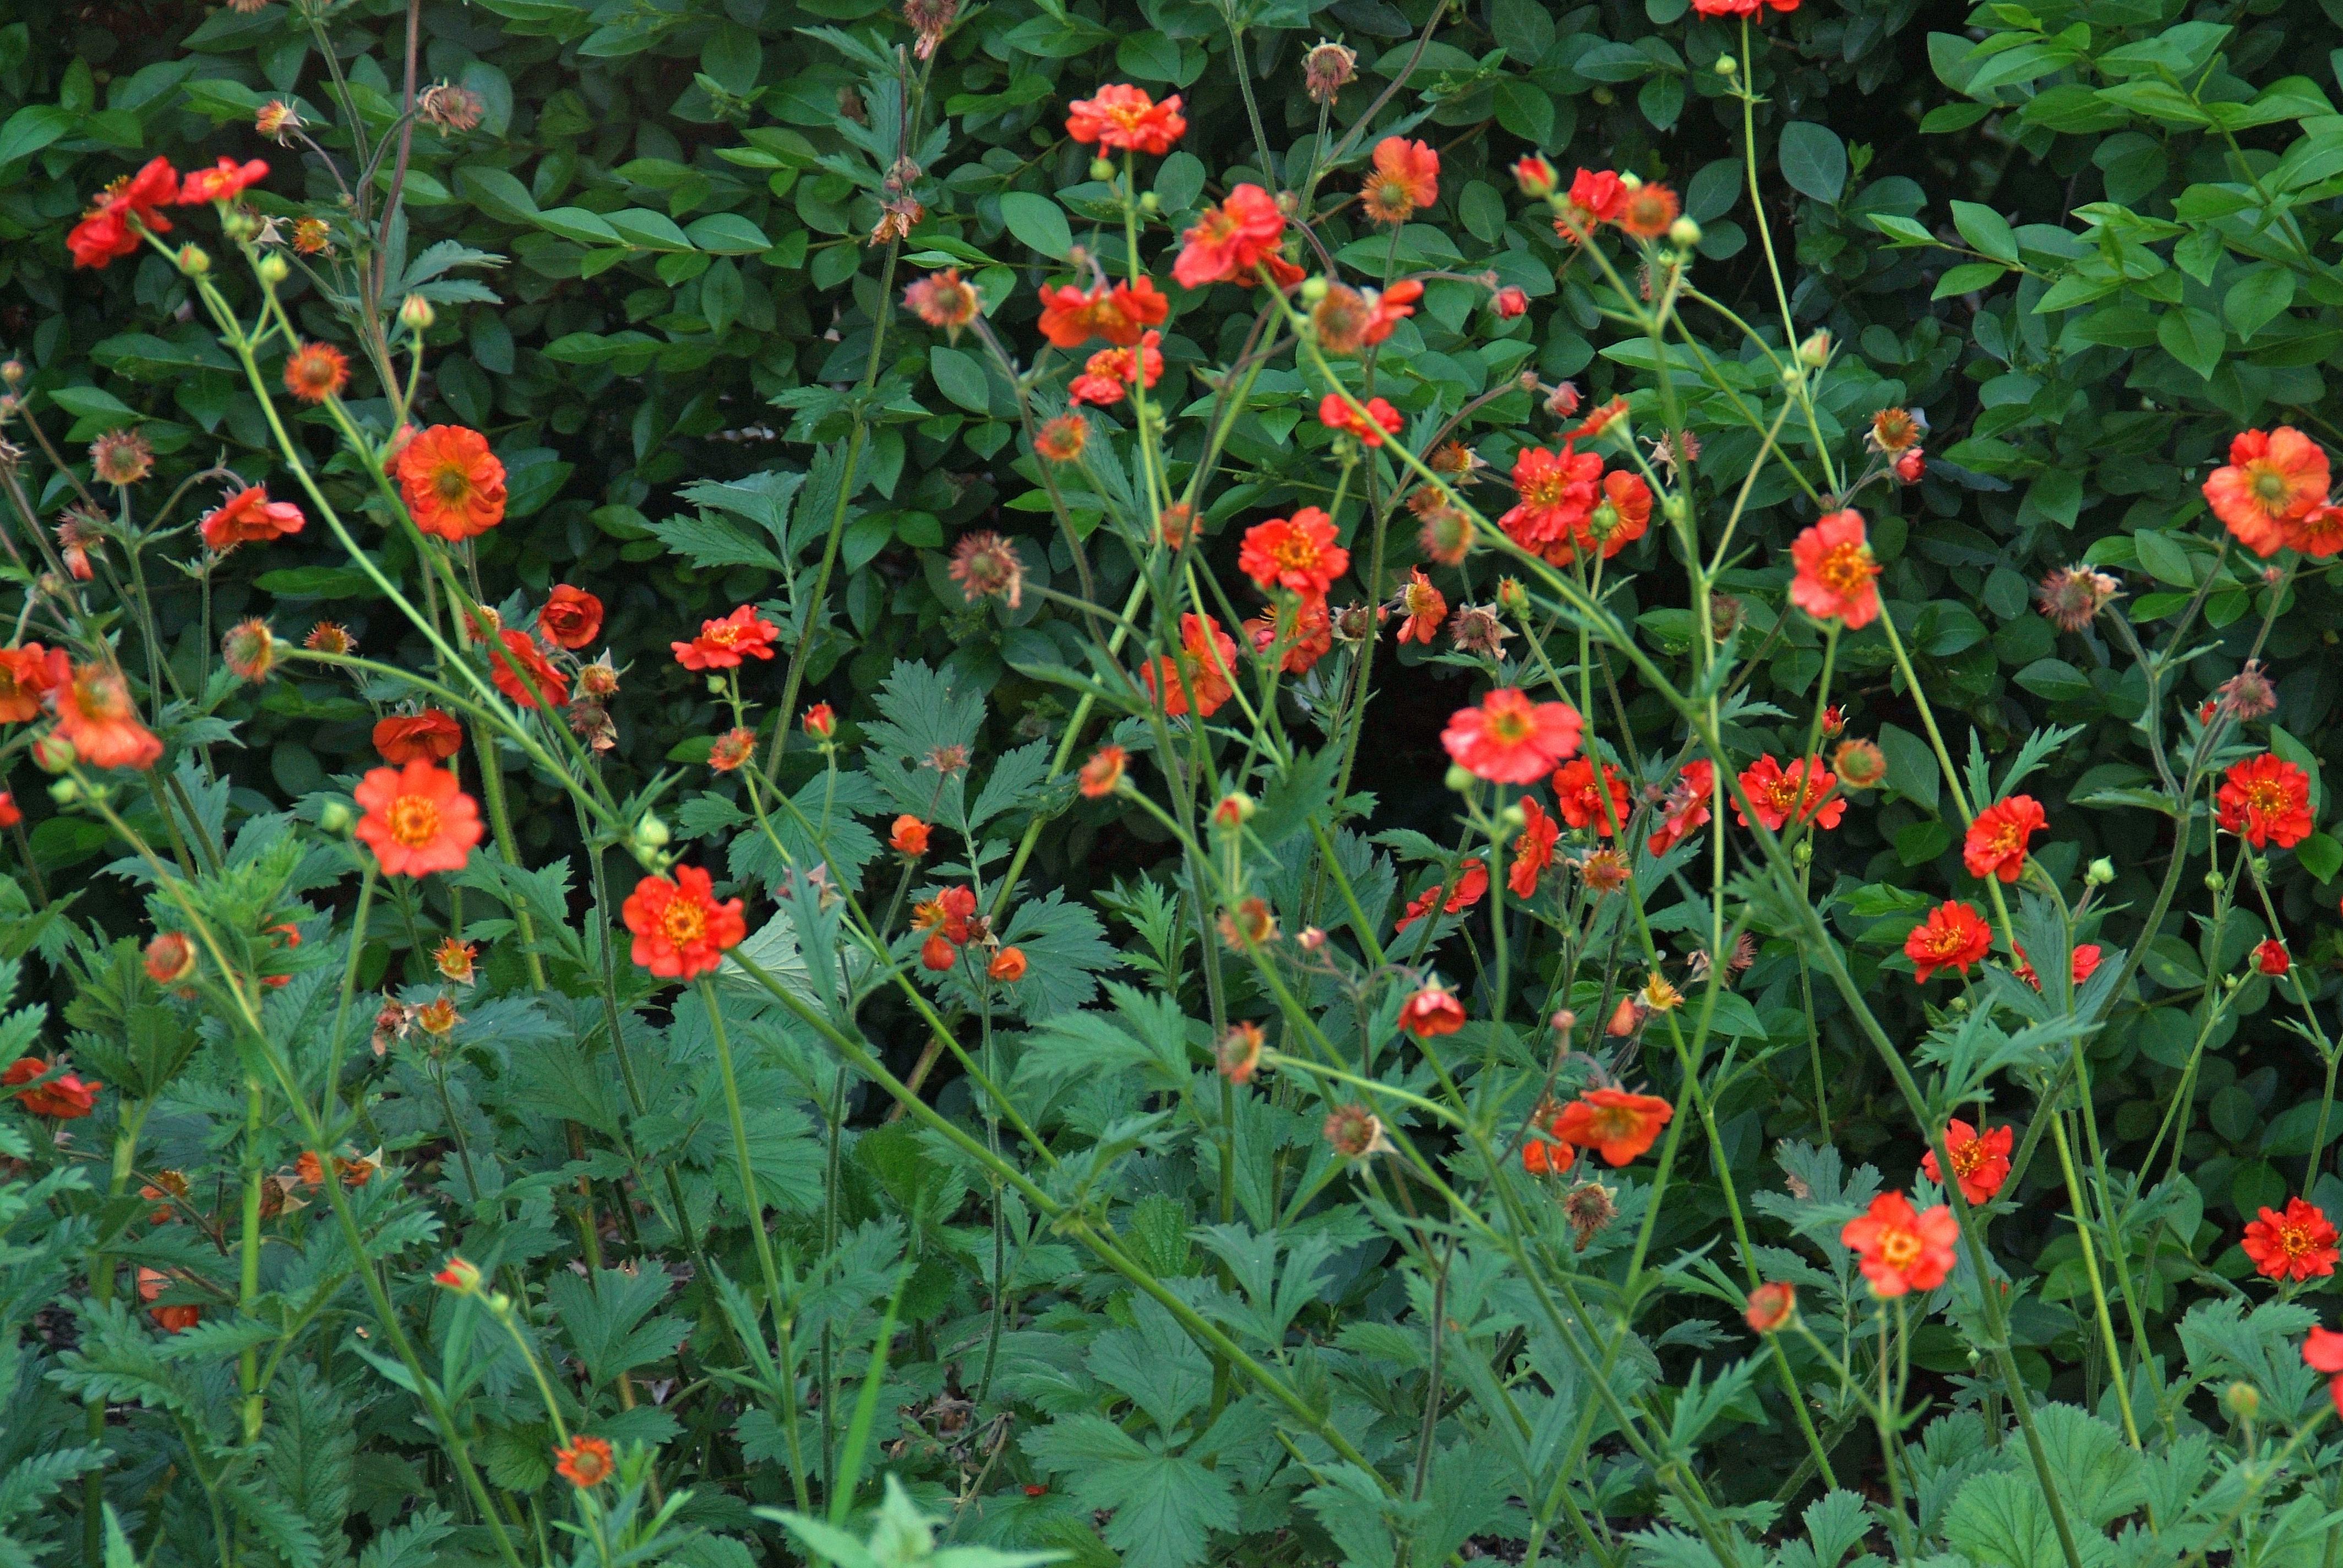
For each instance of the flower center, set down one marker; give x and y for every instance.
(2265, 799)
(414, 820)
(1846, 568)
(1294, 553)
(1900, 1249)
(684, 921)
(1967, 1157)
(2269, 485)
(1613, 1123)
(1509, 726)
(451, 484)
(1548, 489)
(2007, 839)
(723, 636)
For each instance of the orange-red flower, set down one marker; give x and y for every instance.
(522, 672)
(459, 1276)
(418, 819)
(1953, 936)
(2298, 1244)
(1104, 772)
(1430, 1012)
(1686, 809)
(1124, 117)
(586, 1463)
(2266, 799)
(1062, 439)
(2272, 480)
(429, 736)
(2081, 964)
(65, 1097)
(820, 720)
(909, 837)
(1900, 1249)
(1557, 490)
(1770, 1306)
(942, 299)
(1583, 805)
(1614, 1124)
(1109, 372)
(9, 813)
(1620, 518)
(97, 719)
(1595, 198)
(723, 643)
(1237, 1053)
(1297, 553)
(249, 518)
(170, 959)
(1647, 211)
(1776, 793)
(27, 674)
(1995, 844)
(1835, 571)
(1742, 8)
(454, 487)
(105, 232)
(2270, 958)
(317, 371)
(1348, 319)
(1371, 427)
(1423, 607)
(680, 930)
(1509, 740)
(173, 1318)
(224, 181)
(1307, 628)
(937, 954)
(1008, 965)
(571, 617)
(1543, 1154)
(1121, 312)
(1471, 882)
(1229, 241)
(1204, 673)
(1533, 849)
(1406, 176)
(1980, 1160)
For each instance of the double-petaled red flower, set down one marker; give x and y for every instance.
(1297, 553)
(1980, 1159)
(1348, 319)
(1614, 1124)
(1686, 809)
(1510, 739)
(453, 485)
(1202, 676)
(1379, 419)
(249, 518)
(571, 617)
(106, 230)
(429, 736)
(1119, 313)
(1583, 805)
(1900, 1249)
(723, 643)
(1995, 844)
(224, 181)
(2272, 482)
(2266, 800)
(1777, 794)
(1557, 490)
(27, 674)
(1835, 571)
(1406, 177)
(1953, 936)
(1111, 372)
(97, 717)
(1433, 1010)
(522, 672)
(1595, 198)
(418, 819)
(2270, 958)
(64, 1097)
(680, 930)
(1305, 628)
(1471, 883)
(1532, 849)
(1126, 119)
(1229, 241)
(2298, 1244)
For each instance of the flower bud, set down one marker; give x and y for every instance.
(651, 833)
(1512, 596)
(414, 313)
(65, 791)
(1234, 810)
(53, 753)
(1460, 778)
(1815, 352)
(194, 260)
(1725, 65)
(1512, 817)
(1684, 234)
(2100, 872)
(170, 957)
(1102, 168)
(1150, 203)
(2243, 1401)
(274, 270)
(13, 373)
(2215, 881)
(1534, 177)
(1314, 289)
(336, 817)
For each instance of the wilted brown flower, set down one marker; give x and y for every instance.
(121, 458)
(1457, 462)
(1238, 1053)
(1859, 764)
(985, 565)
(1447, 534)
(930, 20)
(897, 220)
(331, 636)
(2247, 695)
(249, 650)
(1477, 628)
(451, 108)
(1894, 430)
(1590, 1207)
(2072, 596)
(599, 682)
(1354, 1132)
(1326, 70)
(312, 236)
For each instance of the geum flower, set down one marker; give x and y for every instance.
(1584, 805)
(1898, 1247)
(1614, 1124)
(1110, 372)
(1378, 419)
(1297, 553)
(1405, 177)
(1510, 739)
(1119, 313)
(1980, 1160)
(1835, 571)
(1779, 794)
(724, 642)
(2265, 799)
(1126, 119)
(453, 485)
(106, 230)
(1471, 882)
(418, 819)
(2271, 483)
(1230, 240)
(1996, 843)
(1202, 674)
(2296, 1245)
(680, 930)
(1557, 490)
(1954, 936)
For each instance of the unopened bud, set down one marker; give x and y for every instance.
(1725, 65)
(2215, 881)
(2243, 1398)
(414, 313)
(13, 373)
(53, 753)
(1461, 779)
(1512, 596)
(1815, 352)
(274, 269)
(1684, 234)
(1150, 203)
(1314, 289)
(195, 260)
(1513, 817)
(1102, 168)
(65, 791)
(1234, 810)
(651, 833)
(335, 818)
(2100, 872)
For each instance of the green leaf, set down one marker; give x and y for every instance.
(2054, 680)
(1986, 230)
(2257, 298)
(2192, 337)
(31, 128)
(496, 192)
(2321, 855)
(1968, 277)
(2001, 1517)
(317, 582)
(1038, 222)
(1524, 109)
(605, 1319)
(647, 230)
(960, 375)
(1813, 160)
(1524, 29)
(727, 234)
(576, 223)
(1164, 1507)
(1912, 770)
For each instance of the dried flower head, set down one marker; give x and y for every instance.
(2247, 695)
(1477, 628)
(450, 108)
(942, 301)
(1563, 400)
(278, 119)
(732, 748)
(591, 723)
(1457, 462)
(1238, 1054)
(1326, 70)
(1675, 453)
(1062, 439)
(897, 218)
(2072, 596)
(317, 371)
(312, 236)
(599, 679)
(985, 565)
(121, 458)
(1894, 430)
(331, 636)
(249, 650)
(1589, 1207)
(1859, 764)
(454, 961)
(79, 532)
(1354, 1132)
(948, 760)
(1447, 534)
(1603, 870)
(930, 20)
(1175, 525)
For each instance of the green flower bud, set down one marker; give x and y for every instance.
(335, 818)
(1102, 168)
(1461, 777)
(274, 270)
(651, 833)
(1684, 234)
(2100, 872)
(1725, 65)
(2243, 1398)
(1314, 289)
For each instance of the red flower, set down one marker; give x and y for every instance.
(249, 518)
(1433, 1010)
(1556, 491)
(2296, 1245)
(571, 617)
(1980, 1164)
(1307, 628)
(1621, 517)
(96, 717)
(224, 181)
(429, 736)
(1008, 965)
(586, 1463)
(942, 299)
(1582, 806)
(104, 231)
(1770, 1306)
(1543, 1155)
(1686, 809)
(1741, 7)
(2318, 532)
(1835, 571)
(317, 371)
(909, 837)
(1124, 117)
(1510, 302)
(454, 487)
(1776, 793)
(2082, 963)
(1103, 773)
(9, 814)
(27, 673)
(459, 1276)
(723, 643)
(1509, 740)
(1594, 198)
(2323, 1351)
(1534, 177)
(949, 913)
(1110, 371)
(1616, 1124)
(66, 1097)
(680, 930)
(1380, 418)
(522, 672)
(1423, 606)
(1954, 937)
(820, 720)
(418, 819)
(1297, 553)
(1231, 239)
(1996, 845)
(1648, 211)
(1902, 1249)
(937, 954)
(1534, 850)
(1471, 882)
(2271, 958)
(1119, 313)
(175, 1319)
(2266, 797)
(1203, 674)
(2271, 481)
(1348, 319)
(1406, 176)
